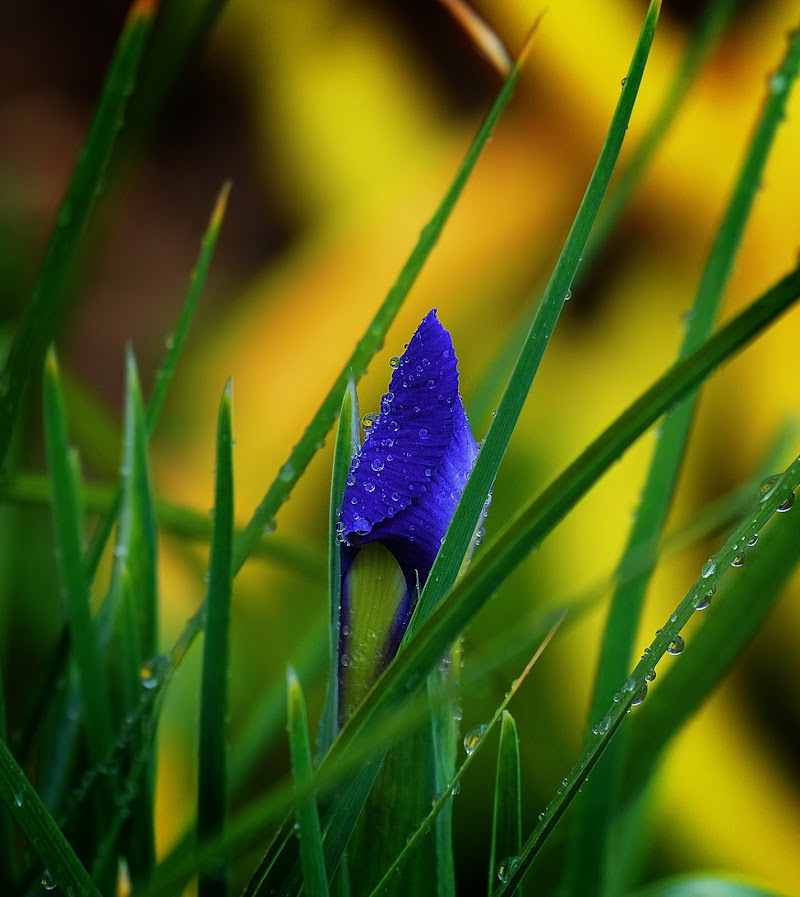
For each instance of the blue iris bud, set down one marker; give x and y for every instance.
(401, 493)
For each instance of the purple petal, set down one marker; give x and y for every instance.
(404, 485)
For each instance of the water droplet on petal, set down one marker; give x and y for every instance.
(676, 645)
(431, 384)
(424, 432)
(472, 737)
(361, 525)
(507, 867)
(369, 486)
(351, 480)
(369, 419)
(377, 464)
(394, 362)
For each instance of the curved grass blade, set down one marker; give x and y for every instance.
(465, 520)
(315, 882)
(704, 38)
(69, 529)
(167, 368)
(708, 886)
(507, 817)
(540, 515)
(177, 520)
(778, 495)
(732, 622)
(591, 837)
(37, 328)
(212, 759)
(347, 445)
(61, 866)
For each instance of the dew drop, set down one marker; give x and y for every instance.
(394, 426)
(19, 798)
(269, 528)
(767, 487)
(431, 384)
(456, 789)
(48, 882)
(702, 601)
(787, 505)
(377, 464)
(369, 419)
(394, 362)
(424, 432)
(507, 868)
(568, 296)
(151, 671)
(622, 83)
(604, 725)
(369, 486)
(709, 568)
(286, 472)
(738, 560)
(472, 737)
(753, 540)
(676, 645)
(640, 695)
(351, 480)
(650, 675)
(361, 525)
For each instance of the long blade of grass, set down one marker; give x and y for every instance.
(315, 881)
(347, 444)
(507, 818)
(778, 495)
(166, 370)
(37, 328)
(732, 621)
(704, 38)
(465, 520)
(212, 759)
(36, 490)
(591, 840)
(61, 866)
(69, 529)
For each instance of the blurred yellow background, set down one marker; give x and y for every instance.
(342, 124)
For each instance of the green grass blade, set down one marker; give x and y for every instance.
(212, 759)
(348, 440)
(465, 520)
(166, 370)
(733, 619)
(60, 864)
(704, 38)
(708, 886)
(507, 818)
(372, 340)
(539, 516)
(633, 690)
(37, 328)
(592, 833)
(36, 490)
(69, 527)
(315, 882)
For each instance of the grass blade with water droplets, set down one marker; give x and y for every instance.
(507, 817)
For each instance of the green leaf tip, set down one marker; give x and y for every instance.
(220, 206)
